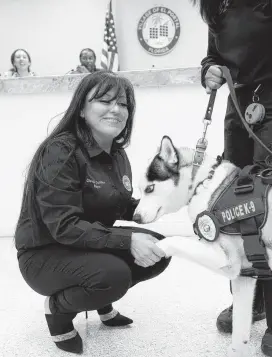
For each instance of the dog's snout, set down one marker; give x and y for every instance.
(137, 218)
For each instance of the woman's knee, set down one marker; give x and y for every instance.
(160, 266)
(151, 272)
(114, 278)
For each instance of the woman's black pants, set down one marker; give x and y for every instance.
(83, 280)
(242, 150)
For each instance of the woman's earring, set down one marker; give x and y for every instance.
(82, 115)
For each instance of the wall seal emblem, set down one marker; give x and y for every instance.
(158, 30)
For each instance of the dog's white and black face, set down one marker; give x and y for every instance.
(165, 185)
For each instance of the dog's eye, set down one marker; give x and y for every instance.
(149, 188)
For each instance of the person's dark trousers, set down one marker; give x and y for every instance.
(267, 285)
(242, 150)
(267, 338)
(83, 280)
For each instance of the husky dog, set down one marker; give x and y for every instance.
(167, 186)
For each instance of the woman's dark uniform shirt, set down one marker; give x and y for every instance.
(80, 192)
(242, 40)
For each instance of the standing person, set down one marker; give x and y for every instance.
(240, 33)
(21, 62)
(78, 185)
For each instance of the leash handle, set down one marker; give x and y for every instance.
(208, 117)
(226, 73)
(208, 114)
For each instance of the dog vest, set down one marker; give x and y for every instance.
(241, 208)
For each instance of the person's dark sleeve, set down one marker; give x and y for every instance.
(130, 209)
(59, 196)
(212, 58)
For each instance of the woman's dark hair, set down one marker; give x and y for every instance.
(89, 50)
(209, 10)
(71, 123)
(12, 59)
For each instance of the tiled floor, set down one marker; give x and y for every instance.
(174, 316)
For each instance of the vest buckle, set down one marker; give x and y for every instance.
(243, 189)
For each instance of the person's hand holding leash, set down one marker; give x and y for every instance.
(213, 78)
(144, 249)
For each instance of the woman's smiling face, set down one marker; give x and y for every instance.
(21, 60)
(107, 117)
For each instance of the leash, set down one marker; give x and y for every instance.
(227, 75)
(202, 143)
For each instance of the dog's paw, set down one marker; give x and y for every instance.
(239, 351)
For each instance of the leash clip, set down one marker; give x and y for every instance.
(202, 143)
(208, 116)
(256, 97)
(200, 149)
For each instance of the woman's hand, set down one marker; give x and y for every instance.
(82, 69)
(144, 249)
(213, 78)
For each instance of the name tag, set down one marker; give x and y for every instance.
(241, 211)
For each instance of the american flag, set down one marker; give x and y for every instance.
(109, 58)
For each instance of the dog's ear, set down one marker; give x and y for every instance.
(168, 152)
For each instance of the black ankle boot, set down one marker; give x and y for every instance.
(63, 332)
(62, 329)
(111, 317)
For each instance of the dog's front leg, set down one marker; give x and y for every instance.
(209, 255)
(243, 293)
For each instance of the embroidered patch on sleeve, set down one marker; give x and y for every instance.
(126, 182)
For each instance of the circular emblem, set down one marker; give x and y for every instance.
(158, 30)
(206, 226)
(126, 182)
(255, 113)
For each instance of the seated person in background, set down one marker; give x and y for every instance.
(78, 185)
(87, 58)
(21, 62)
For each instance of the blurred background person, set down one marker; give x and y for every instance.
(21, 62)
(87, 58)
